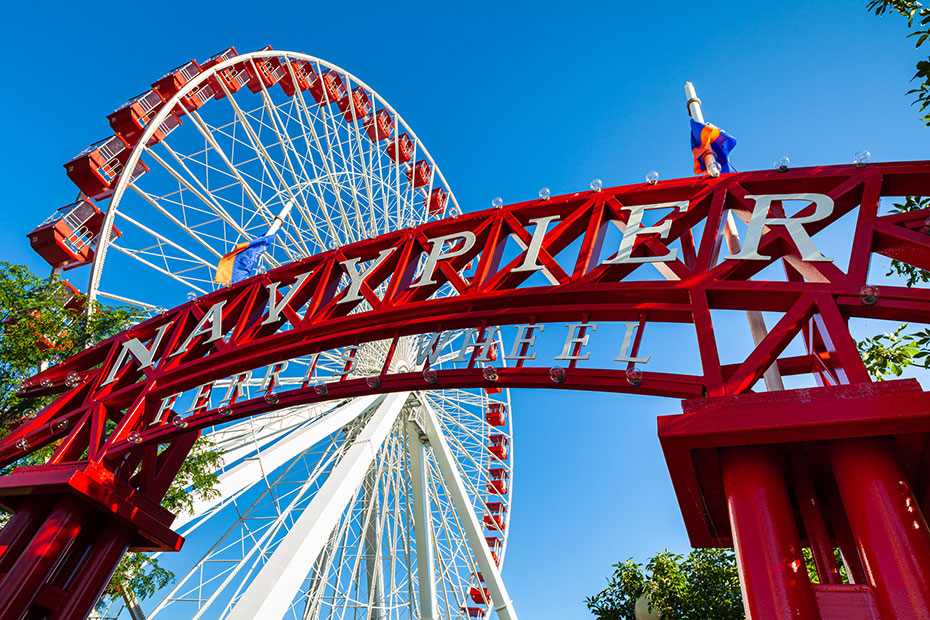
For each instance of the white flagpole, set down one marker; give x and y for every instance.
(694, 109)
(279, 218)
(772, 376)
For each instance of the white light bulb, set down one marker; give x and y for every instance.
(861, 158)
(544, 193)
(596, 184)
(781, 163)
(497, 202)
(652, 177)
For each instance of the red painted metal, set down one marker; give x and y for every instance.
(768, 551)
(815, 300)
(888, 524)
(866, 443)
(37, 561)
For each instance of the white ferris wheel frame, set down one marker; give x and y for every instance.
(279, 574)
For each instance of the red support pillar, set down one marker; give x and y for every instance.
(768, 550)
(16, 534)
(809, 506)
(94, 573)
(889, 529)
(31, 569)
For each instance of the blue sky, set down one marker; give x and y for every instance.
(508, 98)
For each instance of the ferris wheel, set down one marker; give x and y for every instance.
(384, 506)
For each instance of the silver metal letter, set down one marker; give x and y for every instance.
(532, 251)
(625, 347)
(634, 228)
(794, 225)
(215, 316)
(436, 253)
(274, 309)
(571, 339)
(525, 336)
(356, 278)
(145, 357)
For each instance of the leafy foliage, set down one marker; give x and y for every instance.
(618, 600)
(914, 12)
(140, 574)
(703, 584)
(37, 330)
(812, 568)
(890, 353)
(914, 275)
(196, 479)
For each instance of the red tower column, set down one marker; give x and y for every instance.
(887, 524)
(94, 573)
(768, 550)
(38, 559)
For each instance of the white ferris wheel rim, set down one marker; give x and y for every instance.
(141, 145)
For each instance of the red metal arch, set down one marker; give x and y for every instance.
(126, 480)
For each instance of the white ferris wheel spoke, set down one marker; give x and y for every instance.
(473, 531)
(200, 192)
(258, 547)
(422, 523)
(250, 471)
(273, 589)
(267, 162)
(135, 256)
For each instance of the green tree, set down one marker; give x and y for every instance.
(914, 12)
(41, 324)
(890, 353)
(703, 584)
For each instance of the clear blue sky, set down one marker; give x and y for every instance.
(507, 99)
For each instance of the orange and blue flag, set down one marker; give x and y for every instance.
(240, 263)
(706, 137)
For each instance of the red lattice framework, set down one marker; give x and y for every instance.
(62, 558)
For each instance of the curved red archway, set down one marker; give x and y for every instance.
(256, 323)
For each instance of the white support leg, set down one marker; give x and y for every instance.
(772, 376)
(373, 546)
(473, 530)
(271, 592)
(422, 523)
(250, 471)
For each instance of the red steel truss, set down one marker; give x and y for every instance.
(56, 558)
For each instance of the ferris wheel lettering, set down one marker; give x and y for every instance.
(144, 356)
(235, 386)
(357, 278)
(634, 228)
(530, 262)
(272, 374)
(524, 339)
(759, 220)
(430, 346)
(210, 327)
(576, 340)
(625, 353)
(436, 253)
(215, 317)
(274, 309)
